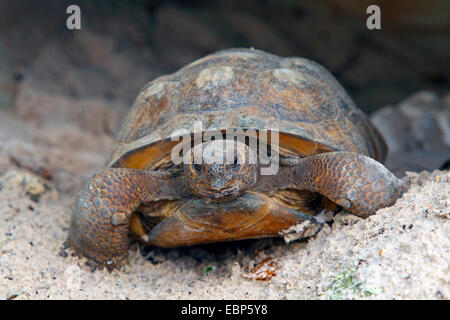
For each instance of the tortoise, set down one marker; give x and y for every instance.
(329, 158)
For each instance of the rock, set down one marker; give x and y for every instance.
(33, 185)
(302, 230)
(417, 132)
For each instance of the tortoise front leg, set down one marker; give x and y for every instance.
(102, 210)
(356, 182)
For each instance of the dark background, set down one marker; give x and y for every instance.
(63, 94)
(124, 44)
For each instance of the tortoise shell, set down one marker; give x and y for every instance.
(246, 89)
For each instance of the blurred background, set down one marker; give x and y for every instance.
(124, 44)
(400, 75)
(64, 93)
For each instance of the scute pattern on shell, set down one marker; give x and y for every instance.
(247, 88)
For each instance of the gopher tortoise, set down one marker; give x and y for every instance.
(323, 154)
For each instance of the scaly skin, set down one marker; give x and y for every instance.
(358, 183)
(102, 210)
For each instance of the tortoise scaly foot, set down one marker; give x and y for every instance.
(102, 210)
(356, 182)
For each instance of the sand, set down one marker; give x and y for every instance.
(402, 252)
(57, 130)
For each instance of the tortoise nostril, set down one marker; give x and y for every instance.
(216, 170)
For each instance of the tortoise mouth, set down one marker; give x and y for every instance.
(226, 193)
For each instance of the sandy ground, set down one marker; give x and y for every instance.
(400, 253)
(58, 114)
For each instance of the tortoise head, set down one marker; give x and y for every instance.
(220, 170)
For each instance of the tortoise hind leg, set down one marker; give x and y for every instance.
(358, 183)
